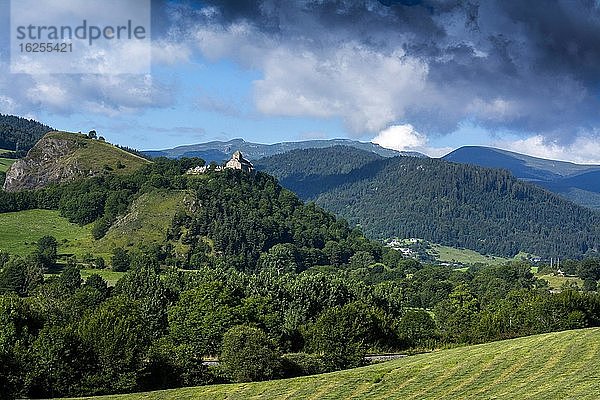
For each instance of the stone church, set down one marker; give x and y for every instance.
(239, 162)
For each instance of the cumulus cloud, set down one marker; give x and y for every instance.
(406, 138)
(585, 149)
(529, 67)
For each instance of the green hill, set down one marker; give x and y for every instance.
(562, 365)
(62, 157)
(456, 205)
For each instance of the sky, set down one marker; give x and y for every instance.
(418, 75)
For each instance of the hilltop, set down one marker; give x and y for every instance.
(579, 183)
(482, 209)
(62, 157)
(549, 366)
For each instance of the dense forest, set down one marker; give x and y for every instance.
(272, 287)
(20, 134)
(483, 209)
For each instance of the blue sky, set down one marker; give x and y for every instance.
(427, 75)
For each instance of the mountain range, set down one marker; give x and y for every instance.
(218, 151)
(577, 182)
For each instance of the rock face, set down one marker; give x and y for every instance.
(47, 162)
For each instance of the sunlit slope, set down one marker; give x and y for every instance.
(563, 365)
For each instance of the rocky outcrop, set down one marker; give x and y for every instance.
(47, 162)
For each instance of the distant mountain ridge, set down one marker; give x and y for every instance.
(483, 209)
(579, 183)
(219, 151)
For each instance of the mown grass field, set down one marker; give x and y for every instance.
(563, 365)
(19, 231)
(5, 163)
(463, 256)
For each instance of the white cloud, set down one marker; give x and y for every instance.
(406, 138)
(585, 149)
(368, 89)
(400, 137)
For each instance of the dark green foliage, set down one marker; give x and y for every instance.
(417, 329)
(61, 363)
(202, 316)
(47, 248)
(70, 278)
(21, 276)
(249, 355)
(120, 260)
(100, 227)
(20, 134)
(300, 364)
(18, 329)
(344, 334)
(118, 336)
(457, 205)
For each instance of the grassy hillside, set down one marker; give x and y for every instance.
(95, 155)
(561, 365)
(147, 222)
(63, 157)
(20, 230)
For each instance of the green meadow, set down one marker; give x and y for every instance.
(560, 365)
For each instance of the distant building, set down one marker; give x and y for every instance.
(239, 162)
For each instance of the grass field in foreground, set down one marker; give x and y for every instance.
(563, 365)
(19, 231)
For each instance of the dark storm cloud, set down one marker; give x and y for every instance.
(524, 65)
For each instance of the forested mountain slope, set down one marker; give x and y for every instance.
(579, 183)
(459, 205)
(20, 134)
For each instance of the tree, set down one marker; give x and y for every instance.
(457, 314)
(47, 248)
(120, 260)
(100, 227)
(202, 316)
(361, 259)
(119, 338)
(92, 134)
(70, 278)
(280, 258)
(416, 328)
(20, 276)
(589, 269)
(249, 355)
(343, 334)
